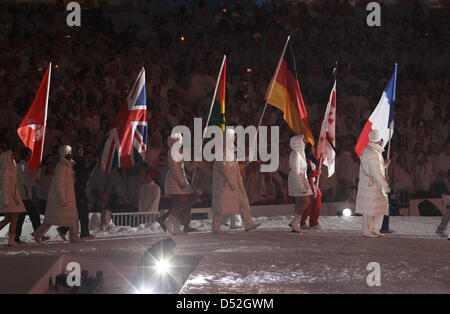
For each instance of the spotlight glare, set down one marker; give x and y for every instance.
(145, 291)
(162, 266)
(347, 212)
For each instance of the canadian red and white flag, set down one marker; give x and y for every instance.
(327, 139)
(32, 129)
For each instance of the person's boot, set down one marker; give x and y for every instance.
(441, 233)
(18, 241)
(253, 227)
(37, 238)
(377, 232)
(61, 234)
(161, 223)
(12, 240)
(173, 225)
(295, 224)
(370, 235)
(76, 240)
(187, 229)
(216, 225)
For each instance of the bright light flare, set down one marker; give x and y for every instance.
(162, 266)
(145, 291)
(347, 212)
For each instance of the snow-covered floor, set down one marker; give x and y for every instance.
(273, 260)
(403, 226)
(279, 262)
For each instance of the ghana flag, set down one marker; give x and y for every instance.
(284, 93)
(217, 110)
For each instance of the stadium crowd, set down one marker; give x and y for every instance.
(181, 44)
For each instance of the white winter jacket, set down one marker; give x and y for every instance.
(61, 205)
(228, 193)
(372, 199)
(176, 175)
(10, 200)
(298, 180)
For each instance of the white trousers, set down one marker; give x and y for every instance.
(372, 224)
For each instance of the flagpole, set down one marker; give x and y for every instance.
(46, 107)
(45, 114)
(389, 151)
(210, 111)
(390, 127)
(316, 187)
(270, 93)
(214, 96)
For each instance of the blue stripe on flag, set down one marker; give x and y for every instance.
(390, 94)
(142, 99)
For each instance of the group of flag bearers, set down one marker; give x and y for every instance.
(228, 194)
(126, 143)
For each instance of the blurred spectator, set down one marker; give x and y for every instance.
(422, 173)
(347, 170)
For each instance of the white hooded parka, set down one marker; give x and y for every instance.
(61, 207)
(372, 199)
(176, 175)
(10, 200)
(297, 179)
(228, 192)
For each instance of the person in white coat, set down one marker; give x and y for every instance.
(177, 186)
(373, 188)
(228, 193)
(11, 204)
(149, 193)
(61, 209)
(298, 186)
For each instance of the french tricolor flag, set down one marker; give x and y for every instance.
(382, 118)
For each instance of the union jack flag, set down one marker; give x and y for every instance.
(126, 143)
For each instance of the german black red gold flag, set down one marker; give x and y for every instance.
(284, 93)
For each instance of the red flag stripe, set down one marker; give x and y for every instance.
(32, 128)
(363, 140)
